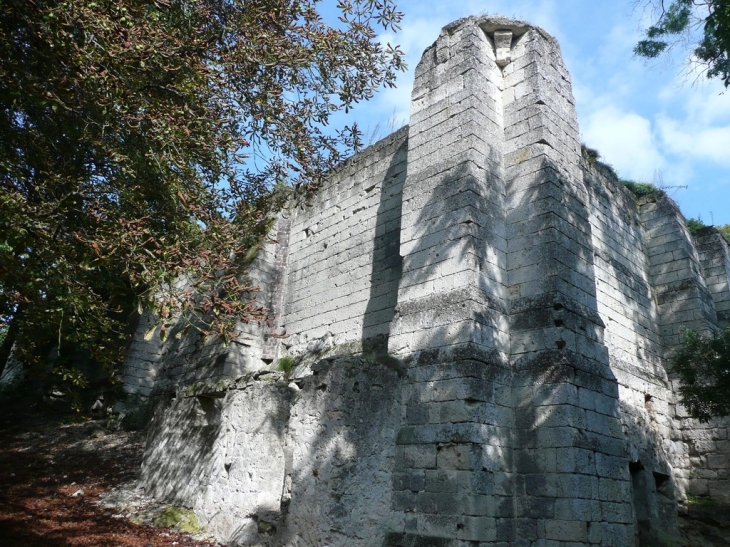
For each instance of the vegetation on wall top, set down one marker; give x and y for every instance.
(640, 189)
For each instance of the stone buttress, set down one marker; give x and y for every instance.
(512, 432)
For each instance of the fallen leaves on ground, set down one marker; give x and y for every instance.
(52, 475)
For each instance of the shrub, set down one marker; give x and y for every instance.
(703, 366)
(694, 225)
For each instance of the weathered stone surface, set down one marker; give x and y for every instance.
(479, 319)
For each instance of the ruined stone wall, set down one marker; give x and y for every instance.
(626, 303)
(328, 271)
(480, 319)
(266, 463)
(154, 365)
(344, 268)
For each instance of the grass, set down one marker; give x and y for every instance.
(640, 189)
(286, 364)
(694, 225)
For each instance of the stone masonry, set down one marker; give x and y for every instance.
(480, 319)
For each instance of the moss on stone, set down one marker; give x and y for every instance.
(696, 500)
(180, 518)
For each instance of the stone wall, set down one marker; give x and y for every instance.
(480, 319)
(263, 462)
(344, 264)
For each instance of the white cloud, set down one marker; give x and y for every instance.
(625, 141)
(703, 101)
(693, 142)
(641, 118)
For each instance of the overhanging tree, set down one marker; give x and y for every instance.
(682, 21)
(140, 141)
(703, 366)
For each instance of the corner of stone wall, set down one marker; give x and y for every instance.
(689, 281)
(676, 273)
(714, 255)
(529, 302)
(268, 461)
(154, 365)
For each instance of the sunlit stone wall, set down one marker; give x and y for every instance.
(480, 320)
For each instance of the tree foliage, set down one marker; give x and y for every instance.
(679, 19)
(703, 366)
(140, 141)
(725, 231)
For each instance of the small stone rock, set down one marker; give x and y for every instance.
(97, 432)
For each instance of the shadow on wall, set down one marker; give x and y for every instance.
(342, 430)
(220, 453)
(571, 475)
(451, 293)
(346, 415)
(387, 264)
(465, 449)
(619, 252)
(654, 491)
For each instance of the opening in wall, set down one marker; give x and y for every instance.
(663, 484)
(641, 488)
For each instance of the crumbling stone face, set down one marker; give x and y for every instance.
(480, 319)
(272, 462)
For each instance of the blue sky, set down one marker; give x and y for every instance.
(655, 122)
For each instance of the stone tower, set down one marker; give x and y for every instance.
(497, 303)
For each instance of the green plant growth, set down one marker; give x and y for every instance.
(286, 364)
(697, 501)
(181, 518)
(725, 230)
(681, 22)
(640, 189)
(694, 225)
(140, 143)
(593, 157)
(590, 154)
(703, 366)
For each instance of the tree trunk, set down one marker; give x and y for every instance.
(10, 338)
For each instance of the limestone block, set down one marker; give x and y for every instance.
(478, 529)
(420, 457)
(566, 530)
(503, 47)
(530, 297)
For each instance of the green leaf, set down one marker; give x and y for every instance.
(150, 333)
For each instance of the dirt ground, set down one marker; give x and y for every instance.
(54, 475)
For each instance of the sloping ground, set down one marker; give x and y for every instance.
(52, 475)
